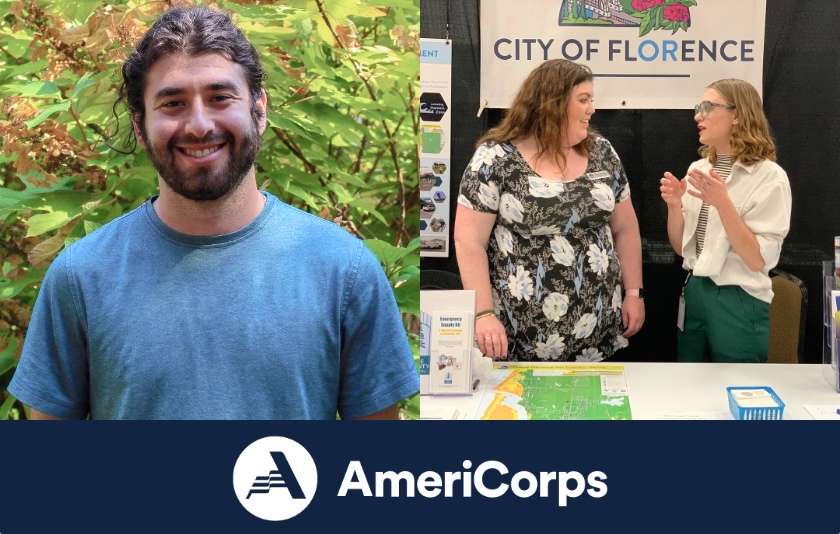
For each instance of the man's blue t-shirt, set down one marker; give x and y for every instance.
(289, 317)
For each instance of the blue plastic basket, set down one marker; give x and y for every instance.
(761, 414)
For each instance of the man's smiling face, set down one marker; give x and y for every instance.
(199, 128)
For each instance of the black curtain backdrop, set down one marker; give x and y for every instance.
(801, 88)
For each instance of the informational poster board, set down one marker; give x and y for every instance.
(645, 54)
(435, 145)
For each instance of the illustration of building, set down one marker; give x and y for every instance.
(610, 10)
(617, 14)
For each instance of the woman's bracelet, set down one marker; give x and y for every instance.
(483, 314)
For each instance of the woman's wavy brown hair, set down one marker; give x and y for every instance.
(539, 109)
(751, 140)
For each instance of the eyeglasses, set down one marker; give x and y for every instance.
(705, 107)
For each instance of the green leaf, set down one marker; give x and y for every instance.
(7, 362)
(83, 83)
(42, 223)
(407, 293)
(411, 5)
(76, 11)
(411, 260)
(303, 26)
(47, 112)
(342, 195)
(272, 11)
(6, 407)
(136, 188)
(261, 34)
(79, 88)
(91, 227)
(111, 160)
(339, 141)
(413, 245)
(648, 22)
(19, 72)
(368, 12)
(324, 33)
(627, 6)
(39, 89)
(302, 194)
(369, 207)
(386, 252)
(49, 200)
(17, 286)
(410, 407)
(17, 43)
(351, 179)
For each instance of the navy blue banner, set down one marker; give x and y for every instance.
(640, 476)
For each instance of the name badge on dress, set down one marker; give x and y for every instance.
(600, 175)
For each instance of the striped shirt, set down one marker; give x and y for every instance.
(724, 168)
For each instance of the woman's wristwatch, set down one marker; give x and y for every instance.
(638, 293)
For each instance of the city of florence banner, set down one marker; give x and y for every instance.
(645, 54)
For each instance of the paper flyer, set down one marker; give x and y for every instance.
(451, 350)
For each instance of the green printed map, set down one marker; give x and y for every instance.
(556, 392)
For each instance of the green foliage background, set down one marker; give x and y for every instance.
(342, 79)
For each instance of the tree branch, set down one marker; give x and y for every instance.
(286, 140)
(358, 165)
(390, 142)
(13, 58)
(79, 124)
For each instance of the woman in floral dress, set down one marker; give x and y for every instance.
(545, 232)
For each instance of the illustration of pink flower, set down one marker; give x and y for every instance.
(676, 12)
(672, 15)
(648, 15)
(642, 5)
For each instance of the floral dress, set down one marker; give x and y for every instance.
(554, 272)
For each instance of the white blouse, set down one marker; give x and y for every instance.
(761, 195)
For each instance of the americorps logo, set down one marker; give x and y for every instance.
(275, 478)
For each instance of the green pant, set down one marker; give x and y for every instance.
(723, 324)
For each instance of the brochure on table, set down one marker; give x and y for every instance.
(446, 341)
(451, 352)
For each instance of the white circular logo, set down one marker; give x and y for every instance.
(275, 478)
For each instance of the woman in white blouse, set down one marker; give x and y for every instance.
(727, 219)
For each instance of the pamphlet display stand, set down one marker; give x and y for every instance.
(447, 320)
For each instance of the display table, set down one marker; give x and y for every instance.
(698, 390)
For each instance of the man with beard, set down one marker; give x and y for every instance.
(213, 300)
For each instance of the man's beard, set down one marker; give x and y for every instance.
(206, 183)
